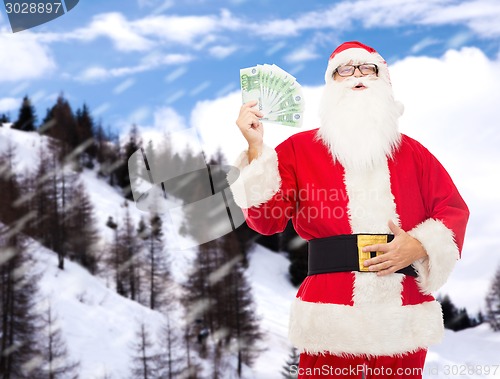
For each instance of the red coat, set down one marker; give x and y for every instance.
(353, 312)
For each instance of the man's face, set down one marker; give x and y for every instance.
(350, 71)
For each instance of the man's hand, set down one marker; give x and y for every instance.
(250, 126)
(402, 251)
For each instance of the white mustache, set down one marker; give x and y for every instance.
(352, 81)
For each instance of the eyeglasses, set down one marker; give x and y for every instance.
(365, 69)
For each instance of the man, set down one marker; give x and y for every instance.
(354, 187)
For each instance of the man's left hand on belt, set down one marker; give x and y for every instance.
(402, 251)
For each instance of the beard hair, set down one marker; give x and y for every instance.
(360, 128)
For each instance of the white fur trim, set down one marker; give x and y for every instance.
(371, 202)
(442, 254)
(258, 181)
(374, 329)
(356, 55)
(370, 289)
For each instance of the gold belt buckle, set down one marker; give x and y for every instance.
(366, 240)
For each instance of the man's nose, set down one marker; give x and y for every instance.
(357, 72)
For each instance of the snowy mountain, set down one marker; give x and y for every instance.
(99, 326)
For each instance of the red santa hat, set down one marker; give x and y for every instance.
(355, 52)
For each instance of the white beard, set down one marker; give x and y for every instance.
(360, 128)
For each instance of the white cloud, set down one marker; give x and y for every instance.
(20, 88)
(301, 54)
(8, 104)
(100, 109)
(167, 120)
(203, 86)
(275, 47)
(180, 29)
(139, 115)
(23, 57)
(458, 40)
(421, 45)
(149, 62)
(147, 33)
(175, 96)
(157, 6)
(123, 86)
(177, 73)
(38, 96)
(186, 30)
(115, 27)
(94, 73)
(222, 52)
(481, 16)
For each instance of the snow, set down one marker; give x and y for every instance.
(99, 325)
(27, 147)
(273, 294)
(470, 353)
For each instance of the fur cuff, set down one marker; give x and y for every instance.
(442, 254)
(257, 181)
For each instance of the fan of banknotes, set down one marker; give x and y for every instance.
(278, 93)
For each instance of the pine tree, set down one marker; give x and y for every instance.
(60, 124)
(21, 350)
(107, 154)
(55, 363)
(133, 144)
(454, 319)
(44, 202)
(219, 296)
(115, 259)
(19, 324)
(242, 324)
(157, 270)
(85, 136)
(9, 187)
(290, 368)
(82, 232)
(493, 303)
(448, 308)
(145, 356)
(4, 119)
(126, 259)
(27, 118)
(170, 358)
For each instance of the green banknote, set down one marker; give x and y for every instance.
(277, 92)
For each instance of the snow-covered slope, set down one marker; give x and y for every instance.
(98, 325)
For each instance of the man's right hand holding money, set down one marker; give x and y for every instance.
(252, 129)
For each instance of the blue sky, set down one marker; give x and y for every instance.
(126, 59)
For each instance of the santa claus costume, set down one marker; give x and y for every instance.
(349, 178)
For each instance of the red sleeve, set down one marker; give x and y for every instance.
(442, 199)
(272, 216)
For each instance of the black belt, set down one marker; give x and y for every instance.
(343, 253)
